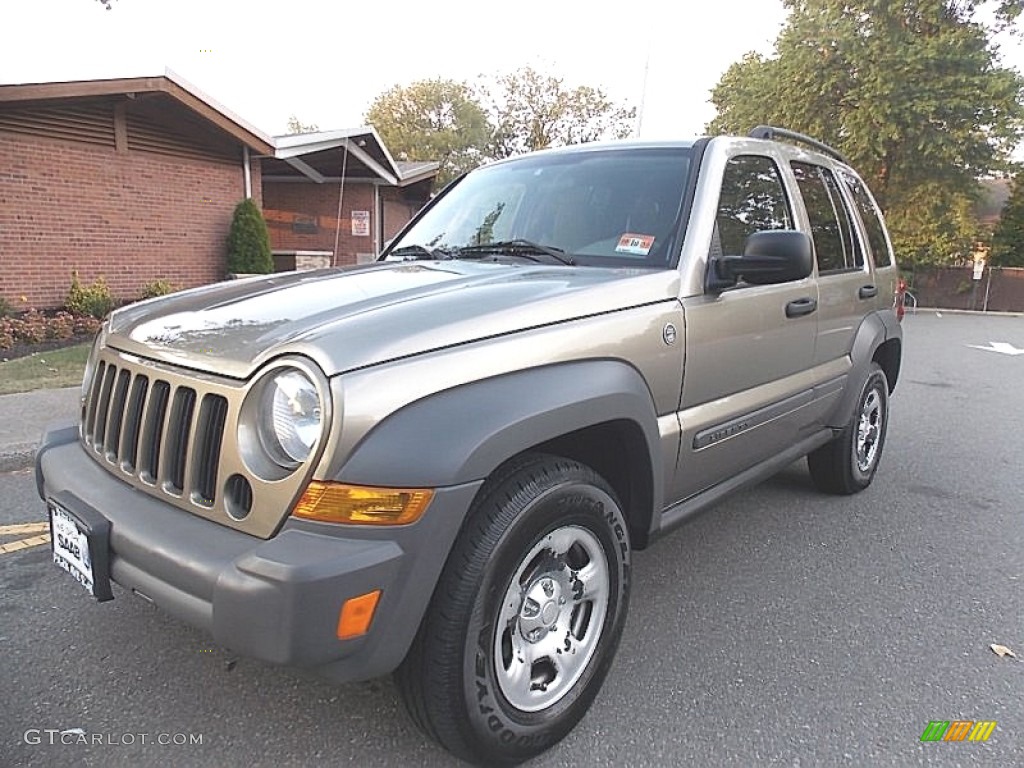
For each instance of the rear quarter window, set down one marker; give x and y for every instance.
(836, 244)
(872, 218)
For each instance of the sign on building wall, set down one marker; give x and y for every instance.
(361, 223)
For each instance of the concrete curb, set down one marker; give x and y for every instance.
(16, 457)
(25, 415)
(964, 312)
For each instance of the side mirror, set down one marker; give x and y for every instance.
(769, 257)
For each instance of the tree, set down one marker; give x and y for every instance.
(297, 126)
(530, 110)
(249, 241)
(1008, 239)
(432, 120)
(912, 92)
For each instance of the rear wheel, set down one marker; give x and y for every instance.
(526, 617)
(848, 463)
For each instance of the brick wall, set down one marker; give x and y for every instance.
(132, 217)
(397, 211)
(291, 207)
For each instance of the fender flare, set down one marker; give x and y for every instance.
(874, 331)
(463, 434)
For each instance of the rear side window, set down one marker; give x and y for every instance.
(753, 199)
(872, 220)
(835, 242)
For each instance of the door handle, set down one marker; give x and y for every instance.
(867, 292)
(801, 307)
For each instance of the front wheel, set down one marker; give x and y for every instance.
(848, 463)
(526, 617)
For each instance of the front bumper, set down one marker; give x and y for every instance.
(277, 599)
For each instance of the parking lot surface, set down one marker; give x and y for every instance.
(781, 628)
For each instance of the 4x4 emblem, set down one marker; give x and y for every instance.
(668, 334)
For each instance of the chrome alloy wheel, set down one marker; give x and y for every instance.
(551, 618)
(869, 426)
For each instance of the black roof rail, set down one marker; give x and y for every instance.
(771, 132)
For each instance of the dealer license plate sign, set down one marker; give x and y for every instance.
(70, 544)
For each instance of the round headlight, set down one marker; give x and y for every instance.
(290, 417)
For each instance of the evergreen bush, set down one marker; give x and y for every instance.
(249, 241)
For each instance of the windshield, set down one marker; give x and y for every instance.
(612, 207)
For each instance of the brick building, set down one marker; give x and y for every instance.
(136, 180)
(338, 196)
(133, 179)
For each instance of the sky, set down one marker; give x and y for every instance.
(324, 61)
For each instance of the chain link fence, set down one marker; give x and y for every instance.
(999, 289)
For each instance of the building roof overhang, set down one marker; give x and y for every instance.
(349, 153)
(170, 84)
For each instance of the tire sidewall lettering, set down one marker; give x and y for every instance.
(490, 714)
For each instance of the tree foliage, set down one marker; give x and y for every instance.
(448, 121)
(1008, 239)
(249, 241)
(531, 110)
(297, 126)
(432, 120)
(912, 91)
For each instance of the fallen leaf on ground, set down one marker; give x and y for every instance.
(1002, 650)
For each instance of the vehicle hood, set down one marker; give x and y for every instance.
(355, 317)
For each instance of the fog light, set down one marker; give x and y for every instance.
(361, 505)
(356, 615)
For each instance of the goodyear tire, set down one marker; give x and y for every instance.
(848, 463)
(526, 617)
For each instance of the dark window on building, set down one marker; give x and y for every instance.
(753, 200)
(835, 242)
(872, 220)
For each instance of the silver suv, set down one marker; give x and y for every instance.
(441, 464)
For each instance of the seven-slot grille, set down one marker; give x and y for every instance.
(167, 436)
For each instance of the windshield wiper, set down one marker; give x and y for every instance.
(519, 247)
(417, 252)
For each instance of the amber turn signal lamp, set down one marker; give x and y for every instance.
(361, 505)
(356, 615)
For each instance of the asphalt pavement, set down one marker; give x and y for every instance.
(782, 628)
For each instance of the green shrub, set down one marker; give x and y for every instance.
(158, 288)
(93, 300)
(249, 241)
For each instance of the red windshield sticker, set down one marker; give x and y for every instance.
(633, 243)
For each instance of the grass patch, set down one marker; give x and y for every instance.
(44, 370)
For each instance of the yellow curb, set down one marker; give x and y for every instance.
(12, 530)
(34, 541)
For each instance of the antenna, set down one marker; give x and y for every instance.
(643, 97)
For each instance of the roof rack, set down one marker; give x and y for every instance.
(771, 132)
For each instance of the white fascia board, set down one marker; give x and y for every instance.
(419, 175)
(363, 156)
(383, 148)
